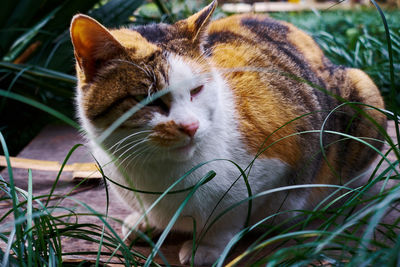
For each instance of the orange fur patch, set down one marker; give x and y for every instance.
(260, 114)
(232, 24)
(325, 175)
(166, 134)
(261, 110)
(133, 40)
(307, 46)
(365, 86)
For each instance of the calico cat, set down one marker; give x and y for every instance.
(246, 89)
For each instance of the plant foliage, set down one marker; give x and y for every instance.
(36, 58)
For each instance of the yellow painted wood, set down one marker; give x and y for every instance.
(80, 170)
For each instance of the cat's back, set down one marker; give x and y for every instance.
(252, 37)
(278, 74)
(262, 60)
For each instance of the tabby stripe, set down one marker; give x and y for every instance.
(110, 108)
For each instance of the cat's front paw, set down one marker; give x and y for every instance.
(136, 229)
(205, 254)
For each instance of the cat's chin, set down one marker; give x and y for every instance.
(182, 153)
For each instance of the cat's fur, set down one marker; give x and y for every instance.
(232, 84)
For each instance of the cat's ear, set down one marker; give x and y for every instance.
(93, 44)
(197, 23)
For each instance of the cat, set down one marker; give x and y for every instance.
(245, 89)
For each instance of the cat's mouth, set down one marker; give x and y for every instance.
(185, 148)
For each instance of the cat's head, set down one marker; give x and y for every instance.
(117, 69)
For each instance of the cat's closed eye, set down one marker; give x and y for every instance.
(195, 91)
(139, 98)
(157, 102)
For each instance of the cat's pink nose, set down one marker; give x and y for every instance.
(190, 128)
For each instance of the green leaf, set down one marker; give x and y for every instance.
(116, 12)
(19, 16)
(22, 42)
(39, 105)
(7, 7)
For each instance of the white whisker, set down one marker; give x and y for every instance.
(147, 150)
(127, 144)
(133, 142)
(130, 148)
(127, 137)
(149, 154)
(131, 157)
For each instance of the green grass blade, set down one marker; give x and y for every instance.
(40, 106)
(193, 242)
(7, 252)
(53, 187)
(104, 227)
(128, 114)
(22, 42)
(116, 12)
(19, 241)
(29, 219)
(237, 238)
(249, 192)
(175, 218)
(165, 10)
(375, 208)
(14, 80)
(6, 9)
(210, 175)
(393, 89)
(41, 72)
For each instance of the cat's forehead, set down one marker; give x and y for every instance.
(156, 33)
(170, 38)
(135, 43)
(151, 42)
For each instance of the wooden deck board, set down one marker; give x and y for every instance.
(53, 143)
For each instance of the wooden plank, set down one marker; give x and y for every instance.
(34, 164)
(80, 170)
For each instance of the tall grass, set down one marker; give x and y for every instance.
(36, 58)
(354, 233)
